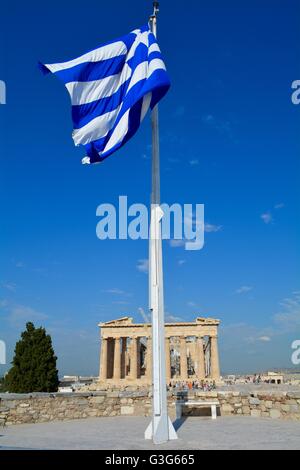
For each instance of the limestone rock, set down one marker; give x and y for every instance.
(226, 408)
(97, 400)
(127, 410)
(274, 414)
(255, 413)
(246, 410)
(254, 401)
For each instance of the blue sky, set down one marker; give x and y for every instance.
(229, 139)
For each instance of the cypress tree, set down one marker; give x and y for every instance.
(34, 364)
(2, 385)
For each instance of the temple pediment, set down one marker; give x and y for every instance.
(207, 321)
(119, 322)
(208, 327)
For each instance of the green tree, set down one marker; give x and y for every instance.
(34, 364)
(2, 385)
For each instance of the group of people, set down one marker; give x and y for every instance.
(203, 385)
(256, 379)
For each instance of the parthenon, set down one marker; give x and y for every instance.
(191, 350)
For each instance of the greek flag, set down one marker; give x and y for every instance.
(112, 88)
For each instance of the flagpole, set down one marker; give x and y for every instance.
(160, 429)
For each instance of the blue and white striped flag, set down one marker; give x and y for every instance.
(112, 88)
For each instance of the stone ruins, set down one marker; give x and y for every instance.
(191, 351)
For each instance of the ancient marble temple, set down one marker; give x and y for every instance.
(191, 351)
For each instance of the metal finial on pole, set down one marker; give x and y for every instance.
(155, 8)
(160, 429)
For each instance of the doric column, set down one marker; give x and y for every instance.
(103, 365)
(110, 357)
(183, 359)
(138, 357)
(214, 358)
(134, 358)
(127, 361)
(123, 357)
(117, 359)
(168, 360)
(149, 359)
(200, 359)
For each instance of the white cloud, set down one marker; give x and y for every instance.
(169, 318)
(143, 265)
(289, 317)
(285, 322)
(17, 315)
(222, 126)
(208, 118)
(197, 244)
(177, 243)
(243, 289)
(11, 286)
(259, 336)
(21, 314)
(244, 334)
(212, 228)
(3, 303)
(115, 291)
(191, 303)
(267, 217)
(264, 339)
(145, 316)
(191, 221)
(20, 264)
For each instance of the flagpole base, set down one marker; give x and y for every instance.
(160, 430)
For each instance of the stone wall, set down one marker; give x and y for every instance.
(266, 404)
(42, 407)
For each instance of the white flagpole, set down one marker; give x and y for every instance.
(160, 429)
